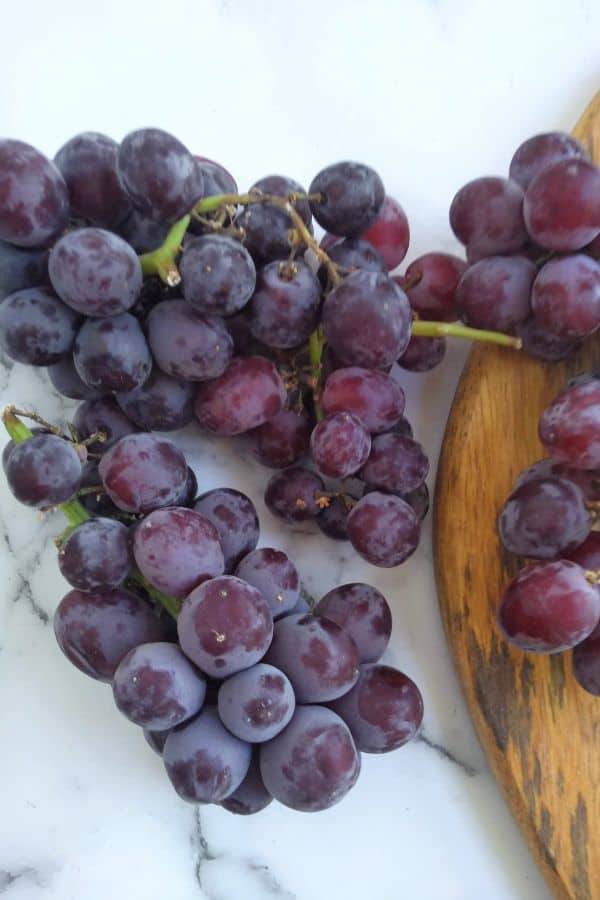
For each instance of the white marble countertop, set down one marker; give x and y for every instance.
(431, 93)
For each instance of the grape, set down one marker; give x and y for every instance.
(36, 328)
(204, 762)
(188, 495)
(284, 309)
(541, 151)
(486, 216)
(96, 630)
(96, 502)
(340, 445)
(186, 344)
(586, 663)
(159, 174)
(430, 284)
(142, 472)
(566, 296)
(562, 205)
(354, 253)
(141, 233)
(21, 268)
(177, 549)
(224, 626)
(313, 763)
(293, 494)
(95, 272)
(162, 403)
(88, 163)
(403, 427)
(267, 225)
(396, 463)
(543, 517)
(156, 687)
(367, 320)
(588, 481)
(156, 740)
(363, 613)
(352, 197)
(111, 354)
(333, 518)
(273, 574)
(246, 395)
(383, 529)
(587, 554)
(217, 180)
(95, 555)
(234, 516)
(101, 414)
(389, 233)
(64, 378)
(251, 796)
(284, 439)
(569, 428)
(383, 711)
(539, 343)
(319, 658)
(34, 204)
(549, 607)
(423, 354)
(373, 397)
(494, 293)
(419, 500)
(256, 704)
(218, 274)
(43, 471)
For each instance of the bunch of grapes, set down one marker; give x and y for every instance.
(551, 518)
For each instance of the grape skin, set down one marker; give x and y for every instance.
(247, 394)
(96, 555)
(256, 704)
(36, 328)
(142, 472)
(486, 215)
(111, 354)
(21, 268)
(283, 439)
(352, 197)
(539, 343)
(64, 379)
(430, 283)
(340, 445)
(43, 471)
(539, 152)
(383, 529)
(566, 296)
(389, 233)
(273, 574)
(35, 203)
(161, 403)
(142, 233)
(251, 796)
(372, 396)
(396, 463)
(267, 225)
(186, 344)
(562, 205)
(292, 494)
(284, 308)
(569, 428)
(363, 613)
(355, 253)
(234, 516)
(101, 414)
(423, 354)
(219, 275)
(494, 293)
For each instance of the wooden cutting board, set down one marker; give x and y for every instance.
(540, 731)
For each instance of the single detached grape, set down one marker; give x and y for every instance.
(569, 428)
(494, 293)
(549, 607)
(266, 225)
(354, 253)
(486, 216)
(256, 704)
(111, 354)
(340, 445)
(539, 343)
(234, 516)
(284, 309)
(142, 472)
(363, 613)
(293, 494)
(64, 379)
(562, 205)
(96, 630)
(541, 151)
(423, 354)
(161, 403)
(95, 555)
(372, 396)
(204, 761)
(383, 711)
(34, 204)
(313, 763)
(367, 320)
(566, 296)
(156, 687)
(43, 471)
(351, 198)
(21, 268)
(396, 463)
(248, 393)
(251, 796)
(273, 574)
(319, 658)
(389, 233)
(177, 549)
(383, 529)
(36, 328)
(156, 740)
(218, 274)
(333, 518)
(186, 344)
(225, 626)
(101, 414)
(586, 663)
(282, 440)
(430, 283)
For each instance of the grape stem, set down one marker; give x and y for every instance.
(316, 342)
(161, 261)
(421, 328)
(76, 513)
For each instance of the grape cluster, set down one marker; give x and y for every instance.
(551, 518)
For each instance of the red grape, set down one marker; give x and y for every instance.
(256, 704)
(34, 207)
(486, 215)
(431, 282)
(562, 205)
(363, 613)
(43, 471)
(273, 574)
(495, 293)
(566, 296)
(96, 554)
(340, 445)
(383, 529)
(389, 233)
(234, 516)
(293, 494)
(396, 463)
(142, 472)
(246, 395)
(541, 151)
(372, 396)
(569, 428)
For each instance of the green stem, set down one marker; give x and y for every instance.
(421, 328)
(161, 261)
(171, 604)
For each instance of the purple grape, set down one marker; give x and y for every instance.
(111, 354)
(587, 554)
(142, 472)
(218, 274)
(21, 268)
(494, 293)
(96, 502)
(96, 630)
(283, 440)
(486, 216)
(96, 555)
(217, 180)
(64, 379)
(187, 345)
(430, 284)
(396, 463)
(190, 492)
(224, 626)
(352, 253)
(383, 529)
(566, 296)
(43, 471)
(367, 320)
(562, 205)
(340, 445)
(351, 198)
(284, 308)
(333, 518)
(256, 704)
(423, 354)
(383, 711)
(569, 428)
(177, 549)
(249, 393)
(389, 233)
(373, 397)
(156, 740)
(313, 763)
(101, 414)
(161, 403)
(234, 516)
(273, 574)
(251, 796)
(36, 328)
(419, 500)
(319, 658)
(267, 225)
(549, 607)
(34, 201)
(204, 762)
(155, 686)
(142, 233)
(539, 343)
(402, 427)
(541, 151)
(159, 174)
(88, 163)
(363, 613)
(293, 494)
(586, 663)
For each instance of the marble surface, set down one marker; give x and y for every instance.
(431, 93)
